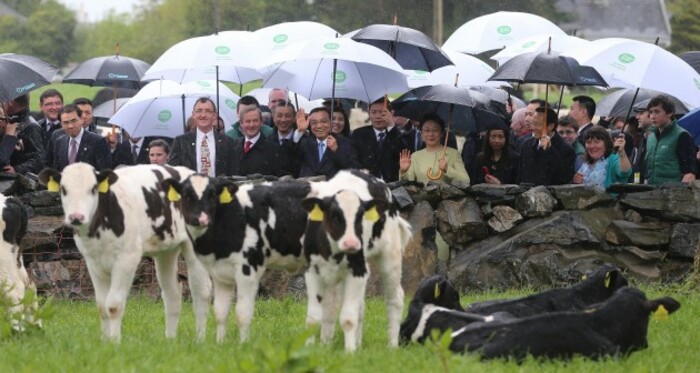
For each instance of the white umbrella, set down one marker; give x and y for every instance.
(282, 35)
(539, 43)
(161, 108)
(335, 67)
(472, 71)
(263, 96)
(229, 52)
(633, 64)
(497, 30)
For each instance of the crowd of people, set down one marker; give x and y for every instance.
(539, 148)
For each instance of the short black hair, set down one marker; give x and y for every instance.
(161, 143)
(587, 103)
(551, 115)
(323, 109)
(82, 101)
(432, 117)
(537, 101)
(665, 102)
(50, 93)
(22, 100)
(247, 100)
(70, 108)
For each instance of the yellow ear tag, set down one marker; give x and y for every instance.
(225, 197)
(584, 277)
(173, 195)
(661, 314)
(104, 186)
(372, 214)
(316, 213)
(437, 291)
(52, 185)
(607, 280)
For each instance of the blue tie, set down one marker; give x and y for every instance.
(321, 149)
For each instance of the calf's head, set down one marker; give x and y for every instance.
(199, 196)
(439, 291)
(80, 186)
(343, 216)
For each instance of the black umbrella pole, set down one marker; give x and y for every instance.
(561, 97)
(335, 67)
(627, 117)
(217, 93)
(184, 119)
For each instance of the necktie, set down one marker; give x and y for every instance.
(284, 141)
(73, 151)
(248, 145)
(49, 125)
(134, 153)
(321, 149)
(205, 167)
(380, 137)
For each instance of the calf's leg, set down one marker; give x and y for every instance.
(223, 295)
(200, 287)
(171, 292)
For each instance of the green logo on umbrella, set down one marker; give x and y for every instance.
(331, 46)
(626, 58)
(340, 76)
(222, 49)
(117, 76)
(504, 30)
(230, 103)
(25, 88)
(204, 83)
(697, 83)
(420, 72)
(280, 38)
(164, 115)
(529, 44)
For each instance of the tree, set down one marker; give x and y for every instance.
(685, 35)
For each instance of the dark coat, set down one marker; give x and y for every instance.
(342, 159)
(25, 151)
(504, 170)
(381, 162)
(184, 153)
(46, 135)
(93, 149)
(263, 158)
(554, 166)
(290, 151)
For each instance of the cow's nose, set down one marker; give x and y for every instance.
(350, 244)
(203, 219)
(76, 218)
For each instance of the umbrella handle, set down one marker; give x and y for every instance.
(430, 175)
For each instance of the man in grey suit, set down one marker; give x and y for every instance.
(77, 144)
(204, 150)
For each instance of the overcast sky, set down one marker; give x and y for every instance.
(98, 9)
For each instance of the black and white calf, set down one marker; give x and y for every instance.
(352, 221)
(118, 217)
(616, 327)
(14, 280)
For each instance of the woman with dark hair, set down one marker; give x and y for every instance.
(340, 123)
(497, 163)
(434, 162)
(600, 165)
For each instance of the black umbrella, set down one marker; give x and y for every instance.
(20, 74)
(109, 71)
(618, 103)
(412, 49)
(499, 95)
(692, 58)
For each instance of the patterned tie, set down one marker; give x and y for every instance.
(205, 167)
(321, 149)
(73, 151)
(134, 153)
(248, 145)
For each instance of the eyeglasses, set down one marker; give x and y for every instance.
(204, 111)
(566, 132)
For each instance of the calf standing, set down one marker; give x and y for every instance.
(14, 280)
(119, 216)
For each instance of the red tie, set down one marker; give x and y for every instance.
(246, 149)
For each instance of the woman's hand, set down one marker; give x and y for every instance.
(443, 163)
(620, 144)
(404, 160)
(490, 179)
(578, 178)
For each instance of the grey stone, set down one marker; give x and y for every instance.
(633, 216)
(680, 203)
(536, 202)
(598, 200)
(49, 210)
(448, 191)
(402, 198)
(570, 195)
(684, 240)
(41, 198)
(494, 193)
(629, 188)
(504, 218)
(652, 234)
(8, 187)
(460, 222)
(420, 255)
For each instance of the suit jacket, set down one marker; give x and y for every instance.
(25, 151)
(381, 162)
(262, 158)
(184, 153)
(46, 135)
(291, 152)
(582, 134)
(93, 149)
(343, 158)
(554, 166)
(409, 138)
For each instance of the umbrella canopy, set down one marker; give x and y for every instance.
(497, 30)
(691, 123)
(198, 58)
(617, 103)
(109, 71)
(107, 109)
(282, 35)
(161, 107)
(471, 111)
(628, 63)
(22, 74)
(546, 68)
(692, 58)
(499, 95)
(335, 67)
(263, 95)
(471, 70)
(539, 43)
(412, 49)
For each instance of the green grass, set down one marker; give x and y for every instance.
(71, 343)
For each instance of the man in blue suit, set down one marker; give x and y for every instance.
(77, 144)
(322, 153)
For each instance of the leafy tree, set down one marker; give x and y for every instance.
(685, 35)
(23, 7)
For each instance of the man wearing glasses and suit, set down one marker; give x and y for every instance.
(77, 144)
(204, 150)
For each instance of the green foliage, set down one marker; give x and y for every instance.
(27, 319)
(685, 27)
(439, 344)
(23, 7)
(291, 354)
(48, 33)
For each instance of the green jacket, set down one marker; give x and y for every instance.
(235, 132)
(662, 161)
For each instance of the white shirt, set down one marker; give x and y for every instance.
(211, 142)
(253, 139)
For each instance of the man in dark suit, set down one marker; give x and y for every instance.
(51, 103)
(77, 144)
(378, 146)
(288, 135)
(21, 146)
(204, 150)
(254, 153)
(582, 112)
(323, 153)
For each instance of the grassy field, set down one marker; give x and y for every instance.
(70, 342)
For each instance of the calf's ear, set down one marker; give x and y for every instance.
(662, 307)
(50, 178)
(226, 191)
(314, 206)
(375, 209)
(172, 189)
(105, 178)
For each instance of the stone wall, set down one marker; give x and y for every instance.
(500, 236)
